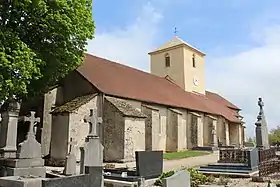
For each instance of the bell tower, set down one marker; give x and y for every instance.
(180, 62)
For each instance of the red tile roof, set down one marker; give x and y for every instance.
(119, 80)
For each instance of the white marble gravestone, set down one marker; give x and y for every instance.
(179, 179)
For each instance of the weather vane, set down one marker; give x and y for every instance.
(175, 31)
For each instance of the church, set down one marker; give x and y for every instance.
(167, 109)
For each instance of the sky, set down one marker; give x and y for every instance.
(241, 39)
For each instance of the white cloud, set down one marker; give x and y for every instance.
(251, 74)
(129, 45)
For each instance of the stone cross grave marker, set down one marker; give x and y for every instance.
(30, 148)
(33, 121)
(261, 128)
(70, 163)
(92, 120)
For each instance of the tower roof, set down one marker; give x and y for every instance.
(174, 42)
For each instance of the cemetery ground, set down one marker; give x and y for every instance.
(183, 154)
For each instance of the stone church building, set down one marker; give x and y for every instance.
(167, 109)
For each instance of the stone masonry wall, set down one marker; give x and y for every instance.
(60, 136)
(113, 124)
(233, 134)
(182, 132)
(74, 85)
(148, 128)
(134, 137)
(172, 132)
(51, 98)
(163, 123)
(156, 130)
(78, 128)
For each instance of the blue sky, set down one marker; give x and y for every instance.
(240, 37)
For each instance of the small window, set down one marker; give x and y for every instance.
(193, 61)
(167, 60)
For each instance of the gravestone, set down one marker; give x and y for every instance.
(149, 164)
(70, 162)
(28, 159)
(261, 128)
(8, 129)
(179, 179)
(93, 149)
(82, 161)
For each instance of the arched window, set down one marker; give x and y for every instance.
(167, 60)
(193, 61)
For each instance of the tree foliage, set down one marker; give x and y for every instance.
(40, 42)
(274, 136)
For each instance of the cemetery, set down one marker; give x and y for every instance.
(23, 166)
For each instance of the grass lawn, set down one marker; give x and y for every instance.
(184, 154)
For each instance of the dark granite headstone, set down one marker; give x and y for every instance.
(149, 164)
(253, 158)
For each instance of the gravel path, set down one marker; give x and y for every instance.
(177, 164)
(190, 162)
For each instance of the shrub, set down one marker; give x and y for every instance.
(162, 176)
(196, 178)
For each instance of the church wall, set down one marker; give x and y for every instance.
(189, 130)
(172, 131)
(234, 134)
(221, 131)
(182, 135)
(163, 124)
(135, 104)
(51, 99)
(113, 124)
(200, 130)
(134, 137)
(78, 128)
(59, 136)
(153, 128)
(206, 131)
(74, 85)
(148, 128)
(156, 130)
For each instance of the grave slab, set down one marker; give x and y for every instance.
(18, 163)
(20, 182)
(35, 171)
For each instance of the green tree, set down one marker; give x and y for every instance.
(40, 42)
(274, 135)
(253, 140)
